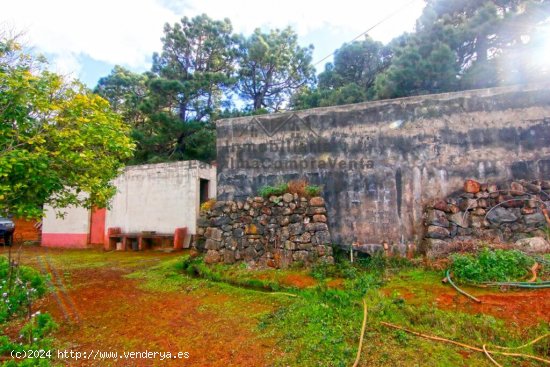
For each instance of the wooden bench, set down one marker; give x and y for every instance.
(144, 239)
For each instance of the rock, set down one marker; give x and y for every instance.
(213, 233)
(317, 201)
(479, 222)
(319, 218)
(220, 221)
(249, 254)
(289, 245)
(535, 219)
(304, 238)
(482, 203)
(532, 187)
(305, 246)
(266, 210)
(501, 215)
(288, 197)
(468, 204)
(453, 208)
(258, 199)
(533, 245)
(479, 211)
(471, 186)
(436, 218)
(238, 232)
(316, 210)
(284, 221)
(492, 188)
(212, 257)
(316, 227)
(459, 219)
(296, 229)
(438, 204)
(516, 189)
(295, 218)
(229, 257)
(435, 248)
(437, 232)
(300, 256)
(211, 244)
(527, 210)
(321, 238)
(545, 185)
(203, 222)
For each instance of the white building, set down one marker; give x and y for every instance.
(160, 200)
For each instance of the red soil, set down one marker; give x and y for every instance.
(299, 281)
(102, 310)
(524, 308)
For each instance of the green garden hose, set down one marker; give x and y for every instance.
(460, 290)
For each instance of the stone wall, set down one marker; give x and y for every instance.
(274, 232)
(505, 213)
(379, 162)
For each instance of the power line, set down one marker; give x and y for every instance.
(371, 28)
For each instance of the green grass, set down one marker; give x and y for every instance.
(491, 265)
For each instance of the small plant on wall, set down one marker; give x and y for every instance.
(207, 205)
(300, 187)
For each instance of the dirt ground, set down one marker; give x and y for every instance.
(521, 308)
(98, 308)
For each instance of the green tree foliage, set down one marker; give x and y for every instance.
(464, 44)
(125, 91)
(271, 67)
(57, 139)
(349, 79)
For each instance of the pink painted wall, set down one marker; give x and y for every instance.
(66, 240)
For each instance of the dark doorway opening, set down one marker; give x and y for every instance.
(203, 190)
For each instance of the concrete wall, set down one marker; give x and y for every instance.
(379, 162)
(159, 197)
(71, 230)
(155, 197)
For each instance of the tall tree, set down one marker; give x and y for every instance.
(56, 139)
(271, 67)
(194, 67)
(125, 91)
(358, 62)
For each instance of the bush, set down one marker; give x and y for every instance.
(33, 336)
(312, 190)
(489, 265)
(19, 286)
(207, 205)
(268, 191)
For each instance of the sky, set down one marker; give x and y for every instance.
(85, 39)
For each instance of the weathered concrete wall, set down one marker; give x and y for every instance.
(71, 230)
(379, 162)
(159, 197)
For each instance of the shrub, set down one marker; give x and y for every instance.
(207, 205)
(19, 286)
(297, 187)
(489, 265)
(312, 190)
(267, 191)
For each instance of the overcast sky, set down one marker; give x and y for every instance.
(86, 38)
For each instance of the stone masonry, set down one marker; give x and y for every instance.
(513, 212)
(274, 232)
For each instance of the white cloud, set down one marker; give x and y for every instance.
(127, 32)
(113, 31)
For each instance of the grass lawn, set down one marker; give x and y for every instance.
(234, 316)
